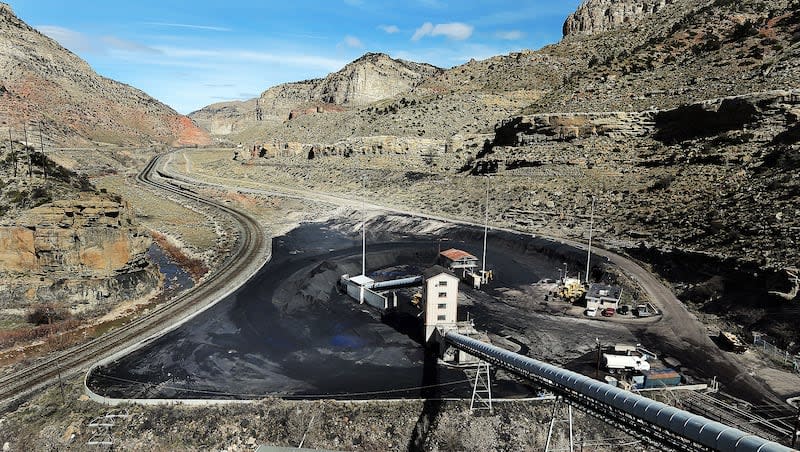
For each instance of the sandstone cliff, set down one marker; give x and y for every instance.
(86, 250)
(41, 79)
(373, 77)
(595, 16)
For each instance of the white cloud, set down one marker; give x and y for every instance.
(190, 26)
(352, 41)
(511, 35)
(391, 29)
(83, 43)
(114, 43)
(72, 40)
(455, 30)
(422, 31)
(249, 56)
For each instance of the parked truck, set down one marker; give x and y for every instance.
(731, 342)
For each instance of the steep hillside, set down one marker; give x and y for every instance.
(689, 51)
(371, 78)
(42, 81)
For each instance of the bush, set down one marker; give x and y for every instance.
(39, 196)
(661, 183)
(46, 314)
(744, 30)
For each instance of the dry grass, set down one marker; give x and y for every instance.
(196, 267)
(161, 214)
(51, 331)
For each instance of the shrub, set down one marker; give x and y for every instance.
(45, 314)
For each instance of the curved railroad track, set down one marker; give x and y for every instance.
(250, 246)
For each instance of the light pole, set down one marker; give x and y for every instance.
(589, 252)
(485, 232)
(363, 226)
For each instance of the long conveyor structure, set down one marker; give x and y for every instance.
(646, 419)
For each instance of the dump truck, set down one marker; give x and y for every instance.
(731, 342)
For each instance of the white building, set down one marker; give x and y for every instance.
(440, 298)
(601, 296)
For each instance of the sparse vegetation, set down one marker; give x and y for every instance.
(196, 267)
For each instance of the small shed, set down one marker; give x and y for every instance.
(601, 296)
(660, 378)
(456, 259)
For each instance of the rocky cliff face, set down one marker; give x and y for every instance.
(84, 250)
(78, 106)
(595, 16)
(371, 78)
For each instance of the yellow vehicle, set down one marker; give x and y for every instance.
(572, 290)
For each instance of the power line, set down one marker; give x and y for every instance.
(279, 394)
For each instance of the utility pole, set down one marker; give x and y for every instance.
(11, 149)
(589, 252)
(58, 367)
(60, 383)
(44, 160)
(30, 163)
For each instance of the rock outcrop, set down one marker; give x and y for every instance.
(371, 78)
(81, 250)
(79, 106)
(594, 16)
(564, 126)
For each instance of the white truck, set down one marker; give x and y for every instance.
(625, 363)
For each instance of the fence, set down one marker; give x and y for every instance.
(784, 356)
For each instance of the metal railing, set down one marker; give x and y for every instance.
(776, 353)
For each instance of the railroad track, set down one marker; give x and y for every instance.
(249, 246)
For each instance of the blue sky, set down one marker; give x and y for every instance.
(189, 54)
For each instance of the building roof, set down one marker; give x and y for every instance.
(362, 280)
(454, 254)
(437, 270)
(603, 291)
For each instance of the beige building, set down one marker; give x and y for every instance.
(440, 298)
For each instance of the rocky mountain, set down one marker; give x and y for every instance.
(369, 79)
(603, 15)
(43, 83)
(680, 117)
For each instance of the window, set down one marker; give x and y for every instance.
(442, 283)
(442, 294)
(442, 306)
(441, 317)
